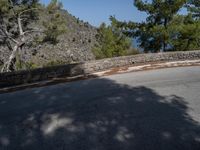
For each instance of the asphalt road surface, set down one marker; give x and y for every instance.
(148, 110)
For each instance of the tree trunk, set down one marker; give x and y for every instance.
(9, 65)
(164, 46)
(164, 39)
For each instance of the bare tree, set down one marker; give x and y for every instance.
(15, 18)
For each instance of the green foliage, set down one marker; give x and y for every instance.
(54, 63)
(160, 14)
(56, 24)
(112, 42)
(30, 66)
(160, 11)
(164, 29)
(4, 7)
(185, 33)
(20, 65)
(194, 7)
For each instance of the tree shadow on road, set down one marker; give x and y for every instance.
(97, 114)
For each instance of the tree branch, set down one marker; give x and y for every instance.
(6, 35)
(27, 10)
(11, 3)
(20, 25)
(19, 20)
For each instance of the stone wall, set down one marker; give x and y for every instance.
(99, 65)
(70, 70)
(22, 77)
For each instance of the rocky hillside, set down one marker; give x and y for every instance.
(74, 46)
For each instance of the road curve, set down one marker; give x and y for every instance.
(147, 110)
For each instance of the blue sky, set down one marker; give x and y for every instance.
(97, 11)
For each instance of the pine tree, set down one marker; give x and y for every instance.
(112, 42)
(184, 33)
(15, 18)
(56, 24)
(194, 7)
(153, 35)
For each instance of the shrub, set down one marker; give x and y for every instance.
(112, 42)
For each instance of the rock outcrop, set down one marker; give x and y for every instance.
(74, 46)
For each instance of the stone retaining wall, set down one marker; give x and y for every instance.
(22, 77)
(99, 65)
(70, 70)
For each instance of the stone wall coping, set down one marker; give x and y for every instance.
(88, 67)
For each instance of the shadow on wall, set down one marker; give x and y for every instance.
(96, 114)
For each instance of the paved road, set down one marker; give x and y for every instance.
(150, 110)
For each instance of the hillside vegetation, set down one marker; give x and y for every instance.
(33, 35)
(59, 37)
